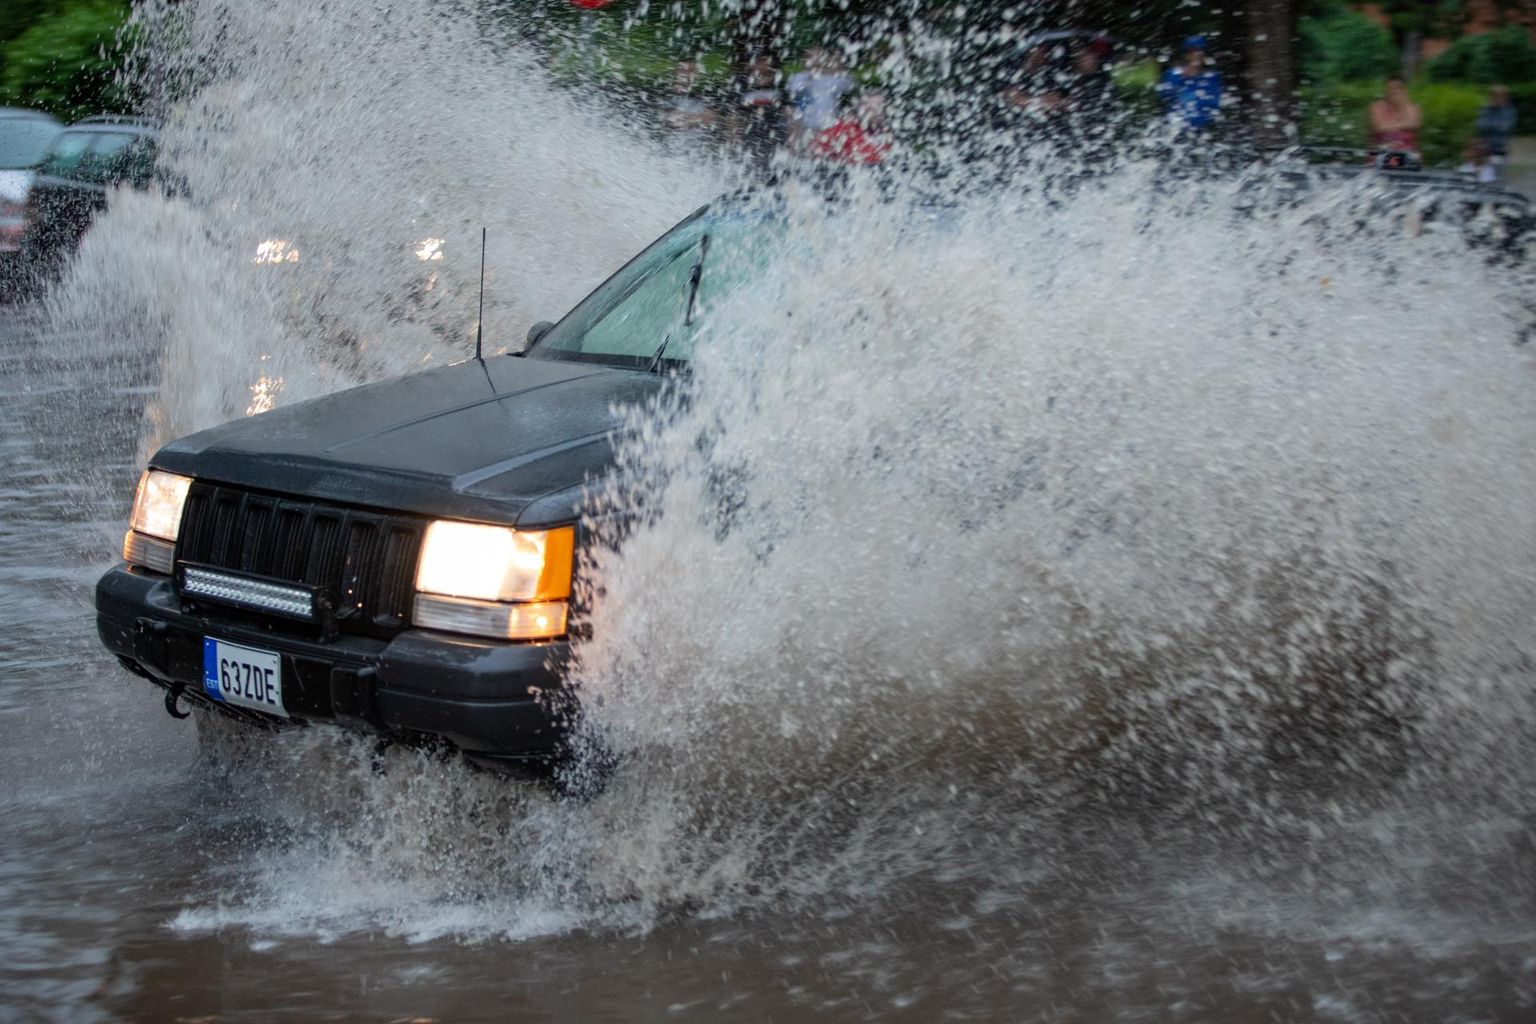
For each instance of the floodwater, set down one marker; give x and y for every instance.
(144, 879)
(1121, 607)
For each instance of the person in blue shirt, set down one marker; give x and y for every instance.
(1192, 90)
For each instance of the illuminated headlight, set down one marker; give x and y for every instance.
(276, 250)
(156, 519)
(495, 581)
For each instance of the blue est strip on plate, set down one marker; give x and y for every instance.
(243, 676)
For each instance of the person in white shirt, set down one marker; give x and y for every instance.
(684, 113)
(816, 94)
(1477, 164)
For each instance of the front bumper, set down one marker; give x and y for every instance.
(502, 704)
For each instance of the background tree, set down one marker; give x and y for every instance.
(63, 55)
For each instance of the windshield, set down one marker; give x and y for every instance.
(65, 155)
(102, 157)
(650, 314)
(24, 141)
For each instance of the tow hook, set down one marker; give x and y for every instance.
(171, 697)
(376, 762)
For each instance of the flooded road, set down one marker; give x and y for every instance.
(142, 880)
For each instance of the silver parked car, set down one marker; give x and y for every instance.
(25, 136)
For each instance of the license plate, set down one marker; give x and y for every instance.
(245, 676)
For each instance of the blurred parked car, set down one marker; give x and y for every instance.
(24, 139)
(83, 165)
(1491, 217)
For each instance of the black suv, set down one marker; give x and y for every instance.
(399, 557)
(85, 163)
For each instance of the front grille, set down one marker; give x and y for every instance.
(365, 560)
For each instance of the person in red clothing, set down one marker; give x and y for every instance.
(857, 139)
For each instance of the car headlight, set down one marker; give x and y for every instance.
(494, 580)
(276, 250)
(156, 520)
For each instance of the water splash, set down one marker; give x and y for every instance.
(331, 176)
(1125, 517)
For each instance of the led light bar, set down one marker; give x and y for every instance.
(259, 595)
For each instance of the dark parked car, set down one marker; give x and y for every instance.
(1489, 214)
(83, 165)
(398, 558)
(24, 139)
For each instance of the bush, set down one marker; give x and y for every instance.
(1345, 46)
(1523, 95)
(1337, 115)
(67, 62)
(1450, 116)
(1504, 56)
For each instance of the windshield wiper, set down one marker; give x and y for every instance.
(695, 276)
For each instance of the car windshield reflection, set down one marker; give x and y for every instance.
(652, 312)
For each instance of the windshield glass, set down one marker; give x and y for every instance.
(66, 153)
(108, 159)
(24, 141)
(657, 302)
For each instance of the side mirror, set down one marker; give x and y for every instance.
(538, 331)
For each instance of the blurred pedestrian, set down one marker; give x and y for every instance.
(1496, 122)
(816, 93)
(760, 121)
(1395, 120)
(1092, 103)
(1092, 88)
(1477, 163)
(859, 138)
(683, 112)
(1192, 91)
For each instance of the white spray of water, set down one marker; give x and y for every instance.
(973, 525)
(373, 140)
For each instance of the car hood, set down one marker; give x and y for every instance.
(508, 440)
(14, 185)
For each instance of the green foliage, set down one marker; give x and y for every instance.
(67, 61)
(1503, 56)
(1136, 86)
(1440, 18)
(1450, 119)
(1345, 46)
(1339, 115)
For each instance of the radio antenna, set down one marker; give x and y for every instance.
(480, 318)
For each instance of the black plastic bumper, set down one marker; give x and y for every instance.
(502, 704)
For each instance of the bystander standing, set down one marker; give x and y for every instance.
(860, 137)
(1496, 123)
(760, 121)
(1192, 91)
(1477, 163)
(683, 113)
(1395, 119)
(816, 93)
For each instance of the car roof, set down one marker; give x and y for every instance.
(115, 123)
(27, 113)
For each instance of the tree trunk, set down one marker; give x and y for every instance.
(1271, 71)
